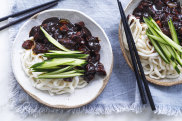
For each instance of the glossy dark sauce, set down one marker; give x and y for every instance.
(161, 11)
(72, 36)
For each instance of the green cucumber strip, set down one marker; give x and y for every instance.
(45, 70)
(166, 38)
(178, 58)
(61, 70)
(56, 76)
(37, 64)
(150, 27)
(154, 23)
(175, 39)
(171, 50)
(157, 48)
(146, 20)
(169, 41)
(67, 72)
(159, 39)
(63, 52)
(58, 55)
(175, 67)
(73, 71)
(53, 41)
(168, 51)
(173, 32)
(154, 32)
(50, 68)
(61, 61)
(158, 33)
(165, 50)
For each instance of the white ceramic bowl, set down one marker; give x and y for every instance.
(81, 96)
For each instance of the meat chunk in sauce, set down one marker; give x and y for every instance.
(40, 48)
(93, 44)
(100, 69)
(90, 68)
(79, 26)
(27, 44)
(67, 42)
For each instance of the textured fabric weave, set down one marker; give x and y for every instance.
(121, 93)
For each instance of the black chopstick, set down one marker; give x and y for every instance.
(27, 10)
(135, 59)
(139, 81)
(140, 66)
(27, 16)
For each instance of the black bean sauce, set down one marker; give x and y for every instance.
(161, 11)
(72, 36)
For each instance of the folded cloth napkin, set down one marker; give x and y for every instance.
(121, 93)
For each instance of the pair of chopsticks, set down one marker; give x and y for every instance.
(138, 69)
(35, 10)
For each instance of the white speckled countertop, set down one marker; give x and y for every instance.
(6, 114)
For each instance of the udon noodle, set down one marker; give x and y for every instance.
(152, 63)
(53, 86)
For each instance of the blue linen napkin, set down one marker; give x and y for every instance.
(121, 93)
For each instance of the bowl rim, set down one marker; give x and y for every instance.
(154, 81)
(105, 80)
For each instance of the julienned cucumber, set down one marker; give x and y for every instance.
(45, 70)
(168, 52)
(61, 70)
(173, 32)
(64, 52)
(169, 41)
(175, 67)
(158, 33)
(157, 48)
(171, 50)
(159, 39)
(65, 72)
(59, 55)
(154, 23)
(178, 58)
(175, 39)
(59, 61)
(165, 50)
(165, 47)
(56, 76)
(54, 42)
